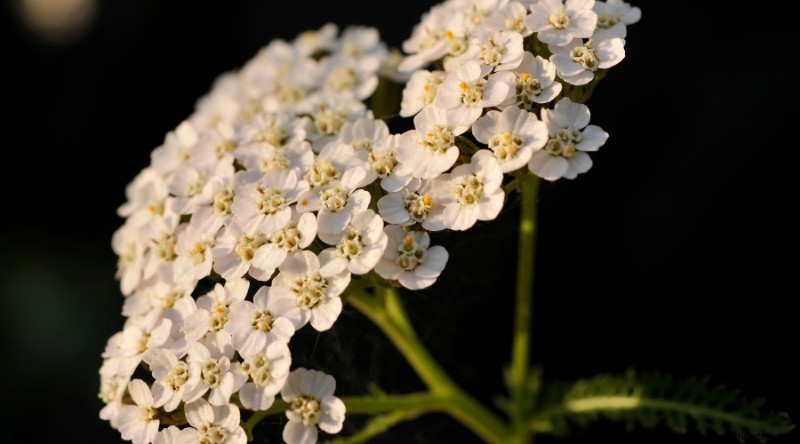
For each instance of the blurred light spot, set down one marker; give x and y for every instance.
(59, 21)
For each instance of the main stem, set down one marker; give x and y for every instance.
(520, 359)
(387, 312)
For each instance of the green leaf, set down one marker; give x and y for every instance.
(652, 400)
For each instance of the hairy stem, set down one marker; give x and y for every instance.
(520, 359)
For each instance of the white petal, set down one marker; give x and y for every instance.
(324, 315)
(297, 433)
(333, 411)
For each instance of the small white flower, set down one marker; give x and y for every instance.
(161, 235)
(266, 157)
(473, 192)
(430, 40)
(174, 435)
(217, 424)
(417, 203)
(349, 77)
(359, 247)
(381, 163)
(363, 44)
(328, 116)
(535, 82)
(207, 324)
(178, 149)
(174, 378)
(577, 62)
(420, 91)
(155, 295)
(466, 92)
(613, 16)
(238, 252)
(510, 17)
(312, 404)
(296, 235)
(195, 188)
(429, 150)
(334, 161)
(147, 197)
(265, 204)
(267, 370)
(255, 324)
(363, 133)
(138, 423)
(215, 147)
(194, 248)
(276, 129)
(410, 260)
(305, 282)
(513, 135)
(112, 388)
(337, 204)
(500, 50)
(322, 39)
(150, 333)
(558, 22)
(565, 155)
(217, 375)
(127, 245)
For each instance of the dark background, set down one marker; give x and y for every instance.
(675, 252)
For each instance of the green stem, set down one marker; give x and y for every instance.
(386, 311)
(520, 359)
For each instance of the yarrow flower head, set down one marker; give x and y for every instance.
(282, 188)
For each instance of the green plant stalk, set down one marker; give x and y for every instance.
(386, 311)
(520, 355)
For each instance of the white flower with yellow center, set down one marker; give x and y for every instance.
(276, 129)
(473, 192)
(255, 324)
(265, 204)
(161, 235)
(337, 203)
(130, 250)
(613, 16)
(534, 83)
(577, 62)
(311, 405)
(416, 203)
(466, 92)
(267, 370)
(558, 22)
(174, 435)
(207, 324)
(430, 149)
(512, 135)
(155, 295)
(500, 50)
(112, 389)
(570, 137)
(361, 43)
(265, 157)
(147, 198)
(410, 260)
(359, 247)
(174, 378)
(510, 17)
(328, 115)
(420, 91)
(218, 377)
(238, 252)
(432, 37)
(178, 149)
(362, 134)
(140, 335)
(195, 247)
(194, 188)
(138, 422)
(304, 281)
(349, 77)
(332, 163)
(215, 146)
(215, 424)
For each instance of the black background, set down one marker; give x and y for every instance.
(675, 252)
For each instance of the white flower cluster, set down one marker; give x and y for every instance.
(282, 186)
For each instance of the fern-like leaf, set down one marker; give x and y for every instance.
(651, 400)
